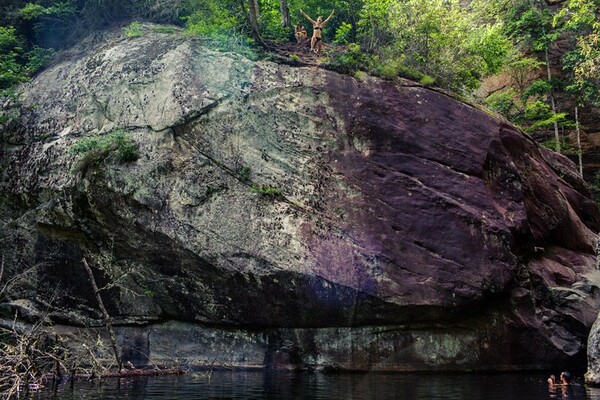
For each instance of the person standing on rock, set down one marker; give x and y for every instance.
(300, 33)
(317, 31)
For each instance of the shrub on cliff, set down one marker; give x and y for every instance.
(133, 30)
(16, 63)
(267, 191)
(11, 70)
(96, 148)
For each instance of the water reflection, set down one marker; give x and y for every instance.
(315, 386)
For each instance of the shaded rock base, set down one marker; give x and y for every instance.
(376, 348)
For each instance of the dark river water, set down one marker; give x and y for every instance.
(281, 385)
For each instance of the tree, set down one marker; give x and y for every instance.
(543, 42)
(582, 64)
(521, 69)
(285, 14)
(11, 71)
(529, 25)
(252, 16)
(439, 38)
(581, 17)
(374, 24)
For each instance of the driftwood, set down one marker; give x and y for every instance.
(126, 373)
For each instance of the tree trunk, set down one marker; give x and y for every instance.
(551, 95)
(578, 133)
(552, 100)
(252, 14)
(254, 11)
(552, 103)
(285, 14)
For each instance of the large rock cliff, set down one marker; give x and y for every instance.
(391, 227)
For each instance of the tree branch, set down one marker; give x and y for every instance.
(106, 316)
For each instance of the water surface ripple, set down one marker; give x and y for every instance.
(316, 386)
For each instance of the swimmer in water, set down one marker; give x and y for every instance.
(564, 385)
(565, 378)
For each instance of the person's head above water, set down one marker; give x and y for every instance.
(565, 377)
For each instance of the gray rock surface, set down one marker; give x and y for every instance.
(404, 230)
(592, 376)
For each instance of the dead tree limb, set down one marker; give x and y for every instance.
(105, 316)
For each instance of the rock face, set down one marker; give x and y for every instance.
(291, 217)
(592, 375)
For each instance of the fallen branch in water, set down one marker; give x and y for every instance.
(142, 372)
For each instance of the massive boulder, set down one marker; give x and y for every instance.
(289, 217)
